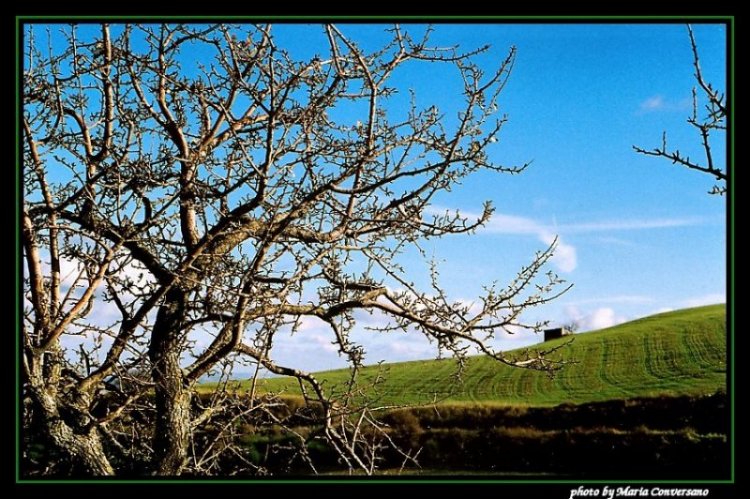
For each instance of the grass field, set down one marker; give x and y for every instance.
(675, 353)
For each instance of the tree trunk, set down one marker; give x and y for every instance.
(172, 397)
(83, 448)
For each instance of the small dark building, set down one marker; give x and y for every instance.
(557, 332)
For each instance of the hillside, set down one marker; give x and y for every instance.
(675, 353)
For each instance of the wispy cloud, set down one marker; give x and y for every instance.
(656, 103)
(565, 257)
(510, 224)
(503, 223)
(653, 103)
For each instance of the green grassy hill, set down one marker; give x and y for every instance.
(676, 353)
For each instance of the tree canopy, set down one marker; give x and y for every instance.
(193, 191)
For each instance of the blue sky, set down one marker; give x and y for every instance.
(638, 235)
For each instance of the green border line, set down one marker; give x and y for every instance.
(730, 241)
(729, 20)
(19, 264)
(364, 18)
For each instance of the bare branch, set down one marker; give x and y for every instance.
(715, 119)
(194, 192)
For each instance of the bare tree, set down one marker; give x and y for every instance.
(712, 103)
(182, 211)
(572, 325)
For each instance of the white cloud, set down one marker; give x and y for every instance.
(511, 224)
(310, 323)
(659, 103)
(599, 318)
(565, 256)
(708, 299)
(324, 343)
(653, 103)
(311, 334)
(662, 310)
(603, 317)
(412, 347)
(69, 270)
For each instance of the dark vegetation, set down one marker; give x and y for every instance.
(662, 437)
(660, 410)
